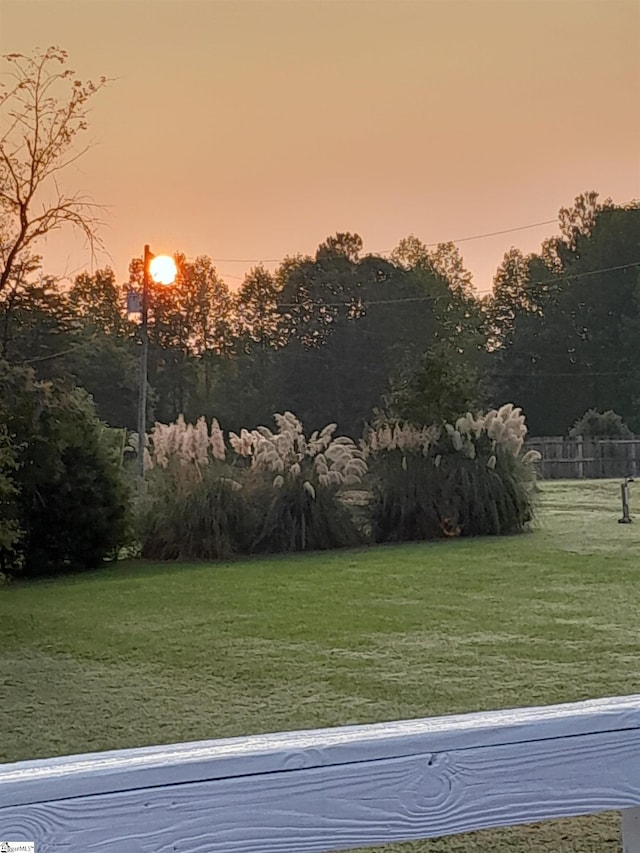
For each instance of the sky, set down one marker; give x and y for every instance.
(248, 130)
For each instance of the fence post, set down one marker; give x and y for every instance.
(601, 466)
(580, 458)
(631, 830)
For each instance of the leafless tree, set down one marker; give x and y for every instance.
(44, 110)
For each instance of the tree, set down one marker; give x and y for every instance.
(13, 297)
(247, 388)
(447, 262)
(204, 305)
(346, 245)
(510, 296)
(441, 386)
(37, 325)
(570, 336)
(410, 253)
(316, 293)
(458, 310)
(576, 223)
(356, 319)
(46, 111)
(103, 358)
(70, 501)
(334, 366)
(594, 424)
(82, 333)
(98, 301)
(190, 330)
(10, 531)
(195, 313)
(256, 308)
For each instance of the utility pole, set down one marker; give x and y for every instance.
(144, 358)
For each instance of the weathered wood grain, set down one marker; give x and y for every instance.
(105, 772)
(333, 789)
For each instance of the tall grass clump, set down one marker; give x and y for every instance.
(404, 503)
(295, 484)
(467, 479)
(193, 508)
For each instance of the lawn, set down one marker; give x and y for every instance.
(141, 653)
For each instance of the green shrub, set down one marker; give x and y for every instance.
(434, 387)
(71, 505)
(471, 479)
(10, 531)
(594, 424)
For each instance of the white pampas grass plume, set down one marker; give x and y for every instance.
(320, 464)
(329, 430)
(201, 442)
(505, 412)
(335, 479)
(217, 440)
(463, 424)
(236, 443)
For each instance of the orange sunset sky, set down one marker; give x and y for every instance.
(251, 130)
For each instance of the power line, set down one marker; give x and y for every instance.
(388, 251)
(447, 297)
(55, 354)
(230, 275)
(493, 233)
(542, 374)
(585, 274)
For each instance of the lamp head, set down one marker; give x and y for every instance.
(162, 269)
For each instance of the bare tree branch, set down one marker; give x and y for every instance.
(47, 107)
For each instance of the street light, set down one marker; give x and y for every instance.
(162, 269)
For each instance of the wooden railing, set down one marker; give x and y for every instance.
(335, 789)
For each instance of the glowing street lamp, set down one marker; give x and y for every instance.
(162, 269)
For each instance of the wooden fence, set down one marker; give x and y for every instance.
(335, 789)
(575, 458)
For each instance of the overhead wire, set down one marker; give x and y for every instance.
(567, 374)
(389, 251)
(556, 280)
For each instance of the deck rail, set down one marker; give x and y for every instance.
(337, 788)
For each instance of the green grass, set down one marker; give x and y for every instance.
(142, 653)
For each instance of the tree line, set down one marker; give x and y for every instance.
(342, 335)
(339, 335)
